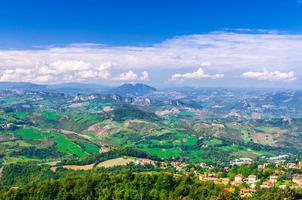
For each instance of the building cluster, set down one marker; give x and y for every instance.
(250, 184)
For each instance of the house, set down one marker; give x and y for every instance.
(267, 184)
(263, 166)
(238, 179)
(278, 159)
(202, 177)
(300, 164)
(291, 166)
(225, 181)
(246, 192)
(202, 165)
(251, 179)
(270, 183)
(297, 178)
(273, 179)
(212, 178)
(241, 161)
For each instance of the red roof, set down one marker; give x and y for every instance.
(239, 175)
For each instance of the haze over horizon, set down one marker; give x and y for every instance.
(192, 43)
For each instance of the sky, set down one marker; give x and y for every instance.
(241, 43)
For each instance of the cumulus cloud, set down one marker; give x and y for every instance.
(219, 51)
(199, 73)
(144, 76)
(131, 76)
(42, 79)
(59, 71)
(127, 76)
(69, 65)
(270, 76)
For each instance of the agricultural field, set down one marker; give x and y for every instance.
(200, 126)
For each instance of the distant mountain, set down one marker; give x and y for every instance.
(21, 86)
(74, 88)
(133, 90)
(70, 88)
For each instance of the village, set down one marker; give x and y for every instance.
(276, 173)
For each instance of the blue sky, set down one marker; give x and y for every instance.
(24, 23)
(170, 42)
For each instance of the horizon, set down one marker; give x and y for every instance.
(157, 87)
(194, 43)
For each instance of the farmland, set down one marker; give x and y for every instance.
(47, 127)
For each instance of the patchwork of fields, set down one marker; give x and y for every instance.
(46, 127)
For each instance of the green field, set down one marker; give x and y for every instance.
(186, 113)
(32, 134)
(213, 142)
(90, 148)
(169, 145)
(164, 153)
(63, 144)
(50, 115)
(22, 115)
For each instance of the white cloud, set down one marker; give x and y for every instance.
(25, 75)
(144, 76)
(131, 76)
(42, 79)
(18, 74)
(199, 73)
(105, 66)
(270, 76)
(62, 66)
(127, 76)
(55, 73)
(218, 51)
(91, 74)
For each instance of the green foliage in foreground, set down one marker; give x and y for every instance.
(133, 186)
(31, 181)
(119, 186)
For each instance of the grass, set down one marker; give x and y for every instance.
(184, 139)
(196, 155)
(170, 145)
(9, 99)
(246, 136)
(6, 117)
(90, 148)
(186, 113)
(10, 160)
(213, 142)
(85, 118)
(63, 144)
(31, 134)
(173, 119)
(266, 129)
(249, 153)
(106, 104)
(21, 115)
(91, 135)
(20, 143)
(245, 131)
(50, 115)
(164, 153)
(232, 148)
(115, 140)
